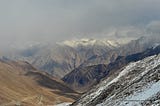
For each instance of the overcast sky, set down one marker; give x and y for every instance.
(54, 20)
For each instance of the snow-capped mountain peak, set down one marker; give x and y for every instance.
(89, 42)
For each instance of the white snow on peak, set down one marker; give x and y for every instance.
(89, 42)
(63, 104)
(155, 45)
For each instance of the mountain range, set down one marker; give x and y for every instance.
(136, 84)
(83, 78)
(62, 72)
(63, 57)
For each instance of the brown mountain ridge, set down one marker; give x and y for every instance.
(23, 84)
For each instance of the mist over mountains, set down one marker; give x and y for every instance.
(62, 58)
(79, 52)
(53, 21)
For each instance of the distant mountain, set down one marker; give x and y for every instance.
(90, 42)
(22, 84)
(135, 46)
(63, 57)
(138, 84)
(83, 78)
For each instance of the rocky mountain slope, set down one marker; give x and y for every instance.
(63, 57)
(83, 78)
(133, 47)
(138, 84)
(22, 84)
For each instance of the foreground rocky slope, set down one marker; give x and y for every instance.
(138, 84)
(22, 84)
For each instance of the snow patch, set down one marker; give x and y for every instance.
(150, 91)
(63, 104)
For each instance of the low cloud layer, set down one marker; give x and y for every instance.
(54, 20)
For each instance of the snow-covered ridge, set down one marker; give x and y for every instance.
(155, 45)
(63, 104)
(89, 42)
(143, 66)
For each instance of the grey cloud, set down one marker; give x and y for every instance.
(154, 27)
(54, 20)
